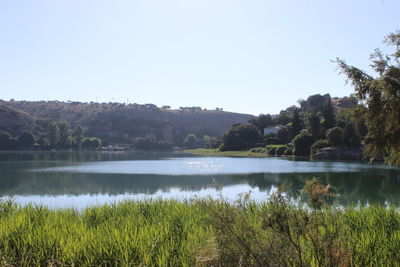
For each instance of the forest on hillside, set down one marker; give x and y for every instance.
(56, 124)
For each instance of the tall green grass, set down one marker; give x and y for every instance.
(202, 232)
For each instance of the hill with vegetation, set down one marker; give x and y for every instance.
(116, 122)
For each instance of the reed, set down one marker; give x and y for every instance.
(201, 232)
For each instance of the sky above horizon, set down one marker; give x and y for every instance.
(248, 56)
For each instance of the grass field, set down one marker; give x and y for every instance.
(201, 232)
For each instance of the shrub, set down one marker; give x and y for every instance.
(318, 145)
(288, 151)
(258, 150)
(276, 150)
(271, 149)
(26, 139)
(335, 136)
(91, 143)
(302, 144)
(191, 141)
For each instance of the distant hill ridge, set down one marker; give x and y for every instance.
(118, 122)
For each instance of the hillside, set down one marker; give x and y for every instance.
(16, 121)
(117, 122)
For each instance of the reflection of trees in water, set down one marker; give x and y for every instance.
(372, 185)
(45, 183)
(85, 156)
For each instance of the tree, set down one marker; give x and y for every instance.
(335, 136)
(283, 135)
(5, 140)
(54, 134)
(78, 136)
(143, 143)
(314, 124)
(241, 137)
(262, 121)
(91, 143)
(64, 132)
(26, 139)
(328, 116)
(302, 144)
(191, 141)
(350, 135)
(296, 122)
(380, 96)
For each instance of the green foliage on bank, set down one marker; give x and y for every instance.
(203, 232)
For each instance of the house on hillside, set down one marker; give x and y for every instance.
(272, 129)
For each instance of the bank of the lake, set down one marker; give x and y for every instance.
(203, 232)
(212, 152)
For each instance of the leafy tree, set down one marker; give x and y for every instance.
(318, 145)
(381, 98)
(283, 135)
(42, 142)
(5, 140)
(91, 143)
(262, 121)
(191, 141)
(314, 125)
(328, 116)
(78, 136)
(302, 144)
(64, 132)
(360, 121)
(213, 142)
(143, 143)
(241, 137)
(296, 122)
(284, 116)
(350, 135)
(335, 136)
(26, 139)
(54, 134)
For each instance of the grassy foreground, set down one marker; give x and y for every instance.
(212, 152)
(202, 232)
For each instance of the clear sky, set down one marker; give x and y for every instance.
(250, 56)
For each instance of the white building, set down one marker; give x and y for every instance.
(271, 129)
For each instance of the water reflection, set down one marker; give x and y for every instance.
(361, 184)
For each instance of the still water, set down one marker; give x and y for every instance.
(72, 179)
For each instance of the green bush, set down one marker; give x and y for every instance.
(276, 150)
(318, 145)
(288, 151)
(271, 149)
(335, 136)
(280, 151)
(258, 150)
(302, 144)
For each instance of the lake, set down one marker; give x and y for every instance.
(81, 179)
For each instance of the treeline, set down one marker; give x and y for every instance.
(299, 131)
(58, 135)
(368, 121)
(119, 123)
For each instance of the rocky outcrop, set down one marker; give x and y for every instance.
(338, 153)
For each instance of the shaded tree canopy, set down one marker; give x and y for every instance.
(262, 121)
(242, 136)
(380, 96)
(26, 139)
